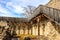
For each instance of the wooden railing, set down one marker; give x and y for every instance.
(53, 13)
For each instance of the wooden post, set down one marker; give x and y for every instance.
(19, 28)
(28, 28)
(38, 21)
(31, 28)
(43, 28)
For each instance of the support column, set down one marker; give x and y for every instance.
(19, 29)
(28, 28)
(43, 28)
(31, 28)
(38, 21)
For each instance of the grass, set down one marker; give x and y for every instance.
(22, 36)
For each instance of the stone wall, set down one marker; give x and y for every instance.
(3, 23)
(54, 4)
(48, 30)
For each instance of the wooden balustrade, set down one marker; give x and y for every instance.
(52, 13)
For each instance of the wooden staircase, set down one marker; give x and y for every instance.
(52, 13)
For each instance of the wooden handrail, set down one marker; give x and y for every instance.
(48, 10)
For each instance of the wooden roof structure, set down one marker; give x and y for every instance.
(13, 19)
(49, 11)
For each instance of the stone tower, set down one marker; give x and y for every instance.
(54, 4)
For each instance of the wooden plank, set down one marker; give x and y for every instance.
(51, 19)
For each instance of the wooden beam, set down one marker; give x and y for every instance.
(51, 19)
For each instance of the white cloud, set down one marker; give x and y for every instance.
(3, 10)
(17, 8)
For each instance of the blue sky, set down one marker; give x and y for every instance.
(14, 8)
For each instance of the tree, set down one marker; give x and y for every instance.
(29, 10)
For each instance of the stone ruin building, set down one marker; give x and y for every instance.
(44, 23)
